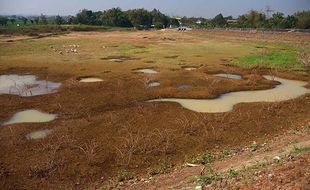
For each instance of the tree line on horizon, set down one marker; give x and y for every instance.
(142, 18)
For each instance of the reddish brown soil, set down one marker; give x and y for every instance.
(263, 171)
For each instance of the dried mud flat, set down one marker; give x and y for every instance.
(105, 131)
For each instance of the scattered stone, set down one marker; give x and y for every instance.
(264, 144)
(191, 165)
(290, 157)
(276, 158)
(199, 187)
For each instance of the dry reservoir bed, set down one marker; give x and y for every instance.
(79, 119)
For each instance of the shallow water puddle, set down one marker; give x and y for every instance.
(26, 85)
(184, 86)
(288, 89)
(30, 116)
(38, 134)
(146, 71)
(153, 84)
(90, 79)
(119, 58)
(190, 68)
(116, 60)
(230, 76)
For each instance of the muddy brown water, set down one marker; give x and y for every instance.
(119, 58)
(90, 79)
(38, 134)
(190, 68)
(288, 89)
(26, 85)
(230, 76)
(153, 84)
(146, 71)
(30, 116)
(184, 86)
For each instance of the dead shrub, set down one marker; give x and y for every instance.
(189, 126)
(50, 162)
(304, 58)
(156, 142)
(90, 150)
(129, 146)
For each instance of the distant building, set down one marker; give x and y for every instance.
(231, 21)
(199, 22)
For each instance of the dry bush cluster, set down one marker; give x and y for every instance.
(134, 142)
(304, 58)
(90, 150)
(189, 126)
(51, 162)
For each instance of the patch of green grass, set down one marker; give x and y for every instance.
(250, 156)
(227, 152)
(163, 168)
(206, 179)
(232, 173)
(206, 158)
(125, 175)
(272, 59)
(298, 150)
(267, 149)
(307, 128)
(201, 179)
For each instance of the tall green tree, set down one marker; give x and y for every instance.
(115, 17)
(59, 20)
(24, 19)
(70, 19)
(174, 22)
(303, 19)
(277, 20)
(140, 17)
(256, 19)
(219, 21)
(85, 17)
(291, 21)
(12, 20)
(253, 19)
(36, 20)
(97, 18)
(42, 19)
(159, 20)
(3, 20)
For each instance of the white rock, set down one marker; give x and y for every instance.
(199, 187)
(191, 165)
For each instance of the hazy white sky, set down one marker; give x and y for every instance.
(205, 8)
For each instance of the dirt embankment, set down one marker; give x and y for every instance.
(281, 163)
